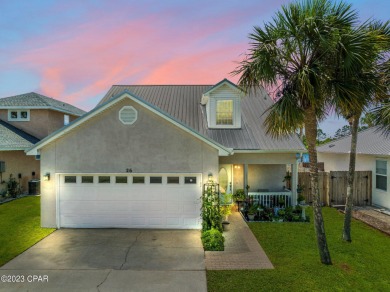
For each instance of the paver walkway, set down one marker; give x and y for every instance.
(242, 250)
(373, 217)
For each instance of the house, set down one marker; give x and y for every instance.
(24, 120)
(373, 154)
(140, 159)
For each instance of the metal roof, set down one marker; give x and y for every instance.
(182, 102)
(35, 100)
(370, 141)
(13, 138)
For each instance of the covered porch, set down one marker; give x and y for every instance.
(266, 178)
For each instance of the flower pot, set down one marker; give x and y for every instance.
(225, 226)
(251, 217)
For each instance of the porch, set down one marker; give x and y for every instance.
(267, 179)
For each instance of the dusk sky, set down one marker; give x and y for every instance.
(76, 50)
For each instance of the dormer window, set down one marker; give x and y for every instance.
(18, 115)
(223, 106)
(224, 112)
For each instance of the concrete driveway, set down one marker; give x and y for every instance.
(109, 260)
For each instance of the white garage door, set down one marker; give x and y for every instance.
(130, 200)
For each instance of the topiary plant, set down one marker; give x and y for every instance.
(213, 240)
(239, 195)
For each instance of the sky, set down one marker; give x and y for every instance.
(75, 51)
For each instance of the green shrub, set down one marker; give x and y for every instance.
(213, 240)
(211, 213)
(239, 195)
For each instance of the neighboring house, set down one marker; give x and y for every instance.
(373, 153)
(24, 120)
(141, 157)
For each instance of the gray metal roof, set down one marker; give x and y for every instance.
(370, 141)
(182, 102)
(13, 138)
(35, 100)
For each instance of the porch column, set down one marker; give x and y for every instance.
(245, 178)
(294, 182)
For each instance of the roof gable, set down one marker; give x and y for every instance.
(125, 94)
(224, 82)
(183, 103)
(34, 100)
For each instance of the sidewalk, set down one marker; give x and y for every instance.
(372, 217)
(242, 250)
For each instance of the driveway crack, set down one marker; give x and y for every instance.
(97, 287)
(128, 250)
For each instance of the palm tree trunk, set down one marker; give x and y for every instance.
(354, 124)
(311, 137)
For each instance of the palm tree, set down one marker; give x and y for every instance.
(382, 112)
(292, 54)
(363, 84)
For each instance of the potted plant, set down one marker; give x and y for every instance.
(252, 212)
(226, 206)
(287, 180)
(238, 197)
(301, 199)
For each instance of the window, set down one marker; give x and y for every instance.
(128, 115)
(87, 179)
(381, 175)
(121, 179)
(173, 180)
(224, 112)
(155, 179)
(66, 120)
(104, 179)
(138, 179)
(70, 179)
(18, 115)
(190, 180)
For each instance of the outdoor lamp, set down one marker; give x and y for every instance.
(46, 176)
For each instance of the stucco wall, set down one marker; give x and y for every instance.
(105, 145)
(340, 162)
(42, 122)
(17, 162)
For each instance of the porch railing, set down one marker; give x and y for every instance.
(271, 199)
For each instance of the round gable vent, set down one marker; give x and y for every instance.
(128, 115)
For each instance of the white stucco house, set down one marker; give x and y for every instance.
(373, 154)
(141, 157)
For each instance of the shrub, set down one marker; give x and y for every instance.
(213, 240)
(239, 195)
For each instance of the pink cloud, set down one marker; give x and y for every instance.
(86, 60)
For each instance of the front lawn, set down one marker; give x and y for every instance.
(20, 227)
(363, 265)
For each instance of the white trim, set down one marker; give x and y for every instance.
(223, 151)
(18, 111)
(271, 151)
(42, 107)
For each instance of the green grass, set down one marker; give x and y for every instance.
(20, 222)
(363, 265)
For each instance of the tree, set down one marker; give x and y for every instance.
(343, 132)
(292, 54)
(373, 38)
(382, 112)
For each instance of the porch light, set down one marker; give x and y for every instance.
(237, 167)
(46, 176)
(211, 176)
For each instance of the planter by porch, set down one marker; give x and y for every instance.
(251, 217)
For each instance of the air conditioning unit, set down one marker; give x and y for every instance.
(2, 166)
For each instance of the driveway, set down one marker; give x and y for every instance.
(110, 260)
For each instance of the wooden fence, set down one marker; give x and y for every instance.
(333, 187)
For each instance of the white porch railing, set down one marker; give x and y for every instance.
(271, 199)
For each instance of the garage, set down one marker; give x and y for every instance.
(162, 201)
